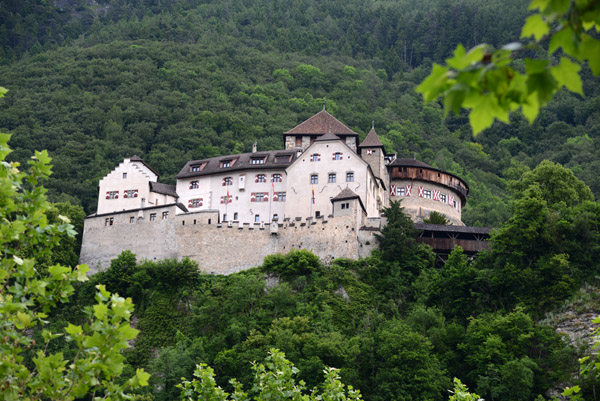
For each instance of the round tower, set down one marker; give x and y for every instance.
(424, 189)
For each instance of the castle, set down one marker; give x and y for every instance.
(324, 192)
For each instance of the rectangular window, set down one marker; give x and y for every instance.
(400, 191)
(298, 141)
(235, 216)
(276, 177)
(315, 157)
(256, 160)
(260, 178)
(337, 156)
(225, 163)
(194, 185)
(350, 177)
(227, 181)
(195, 202)
(257, 218)
(130, 193)
(427, 194)
(314, 179)
(331, 178)
(195, 169)
(112, 195)
(108, 221)
(131, 219)
(281, 196)
(443, 198)
(124, 175)
(165, 215)
(152, 216)
(224, 216)
(225, 199)
(260, 197)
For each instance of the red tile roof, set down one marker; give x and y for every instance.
(320, 124)
(371, 141)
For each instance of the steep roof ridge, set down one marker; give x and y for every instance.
(371, 140)
(320, 123)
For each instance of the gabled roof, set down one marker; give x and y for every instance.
(273, 159)
(320, 124)
(371, 141)
(136, 158)
(348, 194)
(164, 189)
(328, 137)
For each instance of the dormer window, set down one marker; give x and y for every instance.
(258, 160)
(225, 163)
(195, 169)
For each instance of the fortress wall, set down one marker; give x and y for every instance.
(218, 248)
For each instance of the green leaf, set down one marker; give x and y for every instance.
(566, 39)
(3, 91)
(100, 311)
(432, 86)
(484, 111)
(591, 48)
(58, 272)
(567, 74)
(535, 26)
(142, 377)
(73, 330)
(82, 272)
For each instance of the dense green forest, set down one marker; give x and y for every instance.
(94, 82)
(395, 325)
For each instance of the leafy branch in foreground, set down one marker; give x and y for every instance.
(273, 380)
(491, 83)
(29, 291)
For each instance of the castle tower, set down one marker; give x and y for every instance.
(424, 189)
(301, 136)
(372, 151)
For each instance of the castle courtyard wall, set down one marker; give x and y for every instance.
(218, 248)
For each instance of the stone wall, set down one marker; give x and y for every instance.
(218, 248)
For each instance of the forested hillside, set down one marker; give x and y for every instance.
(95, 82)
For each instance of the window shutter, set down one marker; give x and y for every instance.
(125, 194)
(117, 195)
(408, 190)
(319, 157)
(421, 189)
(191, 187)
(200, 204)
(223, 182)
(107, 195)
(275, 197)
(392, 190)
(253, 197)
(256, 178)
(266, 197)
(190, 203)
(135, 194)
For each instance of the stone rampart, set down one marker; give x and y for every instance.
(219, 248)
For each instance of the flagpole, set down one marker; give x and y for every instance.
(271, 199)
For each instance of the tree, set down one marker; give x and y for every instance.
(490, 82)
(273, 380)
(436, 218)
(29, 291)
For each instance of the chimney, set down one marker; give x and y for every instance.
(254, 147)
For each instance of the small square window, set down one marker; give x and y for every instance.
(314, 179)
(350, 177)
(152, 216)
(427, 194)
(131, 219)
(124, 175)
(331, 179)
(165, 215)
(235, 216)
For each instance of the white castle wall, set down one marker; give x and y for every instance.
(218, 248)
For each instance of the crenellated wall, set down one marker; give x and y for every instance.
(219, 248)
